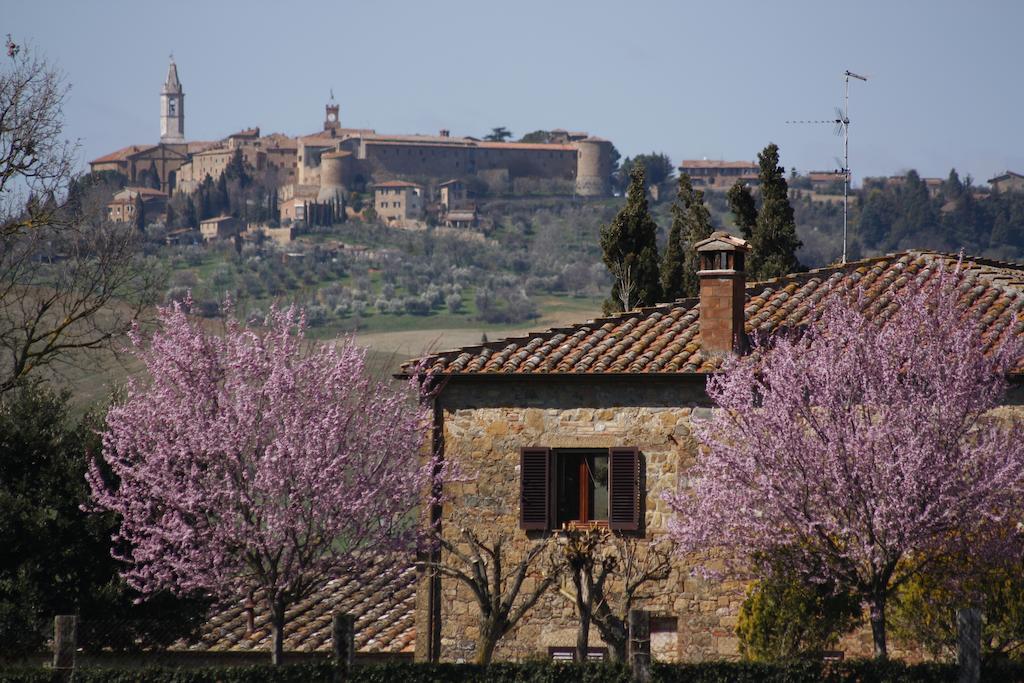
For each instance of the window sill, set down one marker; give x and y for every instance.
(577, 525)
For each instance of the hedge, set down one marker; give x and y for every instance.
(853, 671)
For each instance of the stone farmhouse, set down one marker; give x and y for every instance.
(591, 424)
(613, 400)
(327, 164)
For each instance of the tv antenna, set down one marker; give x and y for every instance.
(842, 127)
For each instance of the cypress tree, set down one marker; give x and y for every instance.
(630, 248)
(774, 241)
(191, 217)
(154, 176)
(691, 223)
(741, 203)
(140, 214)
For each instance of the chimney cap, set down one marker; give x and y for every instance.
(720, 240)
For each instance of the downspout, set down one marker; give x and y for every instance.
(434, 584)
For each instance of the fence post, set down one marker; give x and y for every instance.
(343, 641)
(968, 644)
(639, 650)
(65, 643)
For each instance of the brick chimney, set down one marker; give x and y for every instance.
(723, 279)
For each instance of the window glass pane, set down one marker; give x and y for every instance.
(599, 486)
(568, 487)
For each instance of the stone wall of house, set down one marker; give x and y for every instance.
(485, 425)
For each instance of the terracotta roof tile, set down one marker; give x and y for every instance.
(666, 338)
(382, 599)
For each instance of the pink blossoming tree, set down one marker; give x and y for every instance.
(251, 462)
(861, 451)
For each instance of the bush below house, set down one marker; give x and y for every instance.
(854, 671)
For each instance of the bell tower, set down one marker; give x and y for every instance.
(172, 108)
(332, 119)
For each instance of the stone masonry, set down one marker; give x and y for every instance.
(485, 424)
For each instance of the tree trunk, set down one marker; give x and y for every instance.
(583, 606)
(486, 642)
(276, 631)
(878, 626)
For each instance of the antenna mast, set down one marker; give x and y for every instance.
(845, 122)
(842, 123)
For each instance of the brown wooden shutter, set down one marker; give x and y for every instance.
(535, 489)
(624, 489)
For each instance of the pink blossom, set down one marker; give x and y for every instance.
(863, 448)
(253, 460)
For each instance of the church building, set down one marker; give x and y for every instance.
(164, 158)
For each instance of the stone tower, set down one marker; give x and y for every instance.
(593, 167)
(332, 120)
(172, 108)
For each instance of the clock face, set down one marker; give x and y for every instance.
(331, 117)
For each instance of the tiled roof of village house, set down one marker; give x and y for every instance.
(665, 338)
(121, 154)
(382, 600)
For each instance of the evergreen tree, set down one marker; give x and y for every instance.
(672, 266)
(744, 211)
(630, 248)
(916, 217)
(235, 169)
(691, 223)
(774, 241)
(222, 201)
(191, 216)
(140, 214)
(154, 176)
(170, 218)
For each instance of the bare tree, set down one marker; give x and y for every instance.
(35, 162)
(611, 574)
(497, 577)
(69, 279)
(627, 285)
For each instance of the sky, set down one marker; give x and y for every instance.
(691, 79)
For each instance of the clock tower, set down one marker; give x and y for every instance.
(331, 118)
(172, 108)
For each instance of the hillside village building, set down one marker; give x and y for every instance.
(398, 202)
(711, 174)
(1007, 182)
(121, 209)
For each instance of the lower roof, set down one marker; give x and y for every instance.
(382, 599)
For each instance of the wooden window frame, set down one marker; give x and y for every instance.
(538, 503)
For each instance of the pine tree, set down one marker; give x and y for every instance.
(691, 223)
(774, 241)
(630, 249)
(741, 203)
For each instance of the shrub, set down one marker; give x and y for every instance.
(783, 617)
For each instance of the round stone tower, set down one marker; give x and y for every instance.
(332, 175)
(593, 167)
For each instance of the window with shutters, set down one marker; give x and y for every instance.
(566, 486)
